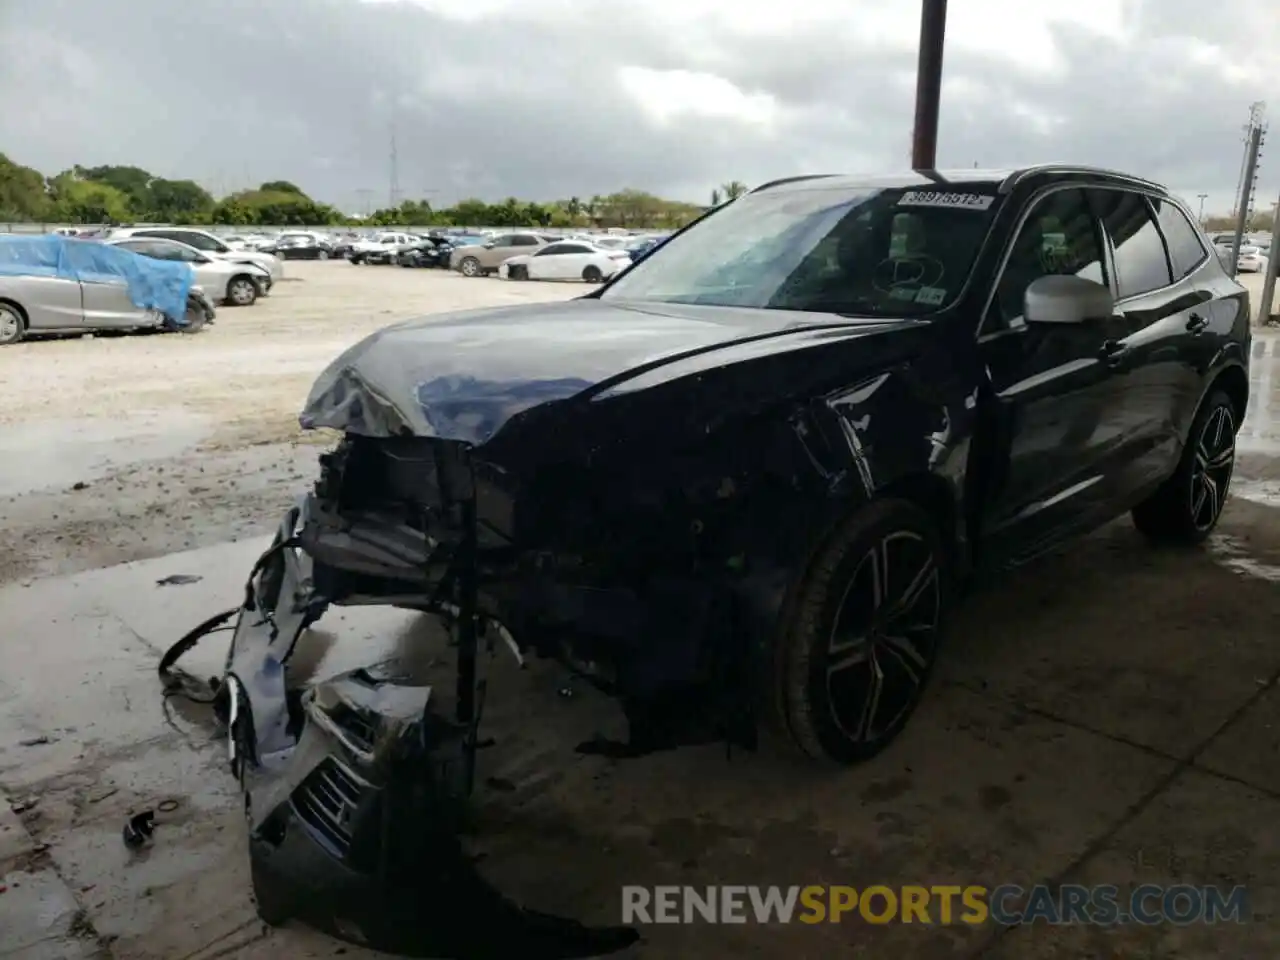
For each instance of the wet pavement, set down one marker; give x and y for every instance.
(1107, 715)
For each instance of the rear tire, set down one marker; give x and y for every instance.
(592, 274)
(1187, 506)
(13, 324)
(861, 636)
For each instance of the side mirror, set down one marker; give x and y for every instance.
(489, 245)
(1067, 299)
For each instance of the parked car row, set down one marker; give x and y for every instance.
(533, 256)
(36, 298)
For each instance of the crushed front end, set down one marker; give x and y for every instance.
(356, 788)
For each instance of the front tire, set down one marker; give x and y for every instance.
(470, 267)
(242, 291)
(13, 325)
(1187, 506)
(195, 317)
(862, 634)
(322, 255)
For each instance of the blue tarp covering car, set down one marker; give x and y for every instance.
(162, 285)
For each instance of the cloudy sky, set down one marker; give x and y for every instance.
(550, 98)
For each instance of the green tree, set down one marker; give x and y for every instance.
(733, 189)
(22, 192)
(471, 213)
(280, 186)
(716, 199)
(87, 201)
(133, 182)
(178, 201)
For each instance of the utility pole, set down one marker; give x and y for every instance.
(924, 135)
(394, 192)
(1265, 308)
(1202, 197)
(1244, 203)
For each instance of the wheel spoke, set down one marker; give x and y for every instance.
(1219, 423)
(1222, 459)
(925, 579)
(902, 649)
(879, 558)
(871, 705)
(845, 656)
(1211, 496)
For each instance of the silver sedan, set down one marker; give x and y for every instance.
(48, 304)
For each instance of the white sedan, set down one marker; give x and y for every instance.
(566, 260)
(1252, 260)
(236, 284)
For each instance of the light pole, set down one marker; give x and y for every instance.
(924, 135)
(1202, 198)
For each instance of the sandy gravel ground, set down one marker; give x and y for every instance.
(119, 448)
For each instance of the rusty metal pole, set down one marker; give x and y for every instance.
(1246, 196)
(1265, 308)
(924, 137)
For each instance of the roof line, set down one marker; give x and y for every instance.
(1017, 176)
(807, 176)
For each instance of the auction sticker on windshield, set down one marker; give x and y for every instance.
(936, 198)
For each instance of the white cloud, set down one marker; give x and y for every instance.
(667, 95)
(546, 98)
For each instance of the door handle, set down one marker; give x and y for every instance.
(1113, 353)
(1196, 323)
(1109, 349)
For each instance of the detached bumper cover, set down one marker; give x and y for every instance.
(355, 790)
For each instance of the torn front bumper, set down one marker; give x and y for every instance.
(356, 788)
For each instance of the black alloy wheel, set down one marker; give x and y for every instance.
(1187, 506)
(862, 633)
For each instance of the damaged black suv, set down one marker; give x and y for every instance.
(743, 480)
(739, 485)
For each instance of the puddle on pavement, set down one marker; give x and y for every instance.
(1265, 492)
(58, 453)
(1260, 433)
(1230, 553)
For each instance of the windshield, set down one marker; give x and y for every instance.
(903, 252)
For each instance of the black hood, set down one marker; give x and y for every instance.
(462, 376)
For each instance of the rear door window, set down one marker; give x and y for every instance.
(1141, 262)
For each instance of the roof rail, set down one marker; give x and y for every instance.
(807, 176)
(1018, 176)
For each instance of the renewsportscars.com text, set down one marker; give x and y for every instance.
(1007, 905)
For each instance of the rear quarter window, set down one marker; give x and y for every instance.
(1186, 251)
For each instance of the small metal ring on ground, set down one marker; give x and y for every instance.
(167, 806)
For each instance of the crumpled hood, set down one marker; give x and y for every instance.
(462, 376)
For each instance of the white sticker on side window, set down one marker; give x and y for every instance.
(937, 198)
(931, 296)
(902, 293)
